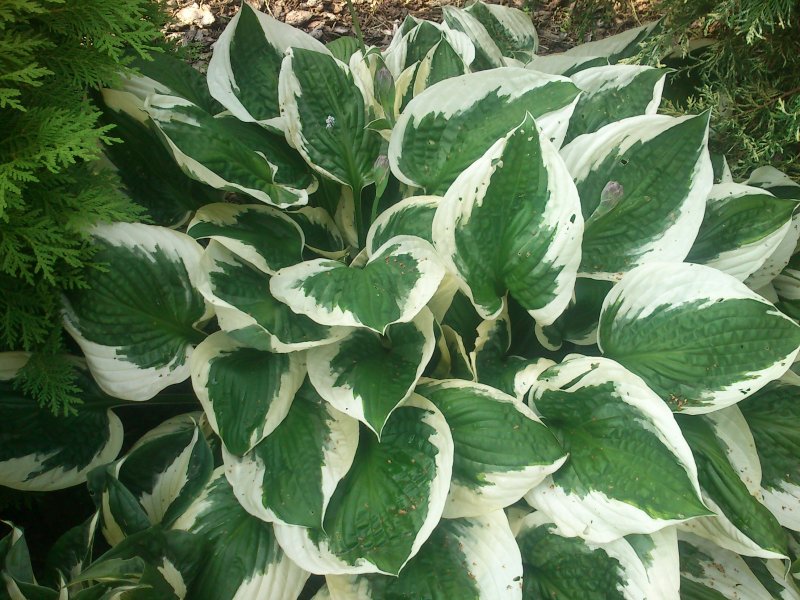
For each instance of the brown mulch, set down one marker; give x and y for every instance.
(198, 23)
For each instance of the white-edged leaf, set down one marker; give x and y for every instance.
(138, 318)
(511, 223)
(467, 559)
(559, 565)
(510, 28)
(229, 154)
(643, 183)
(411, 216)
(614, 92)
(742, 227)
(367, 376)
(629, 469)
(326, 117)
(453, 123)
(393, 286)
(249, 313)
(291, 474)
(243, 71)
(263, 236)
(242, 557)
(40, 451)
(773, 419)
(742, 523)
(501, 448)
(387, 505)
(698, 337)
(244, 392)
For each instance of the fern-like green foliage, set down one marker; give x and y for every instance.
(53, 53)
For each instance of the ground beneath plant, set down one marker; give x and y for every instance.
(199, 24)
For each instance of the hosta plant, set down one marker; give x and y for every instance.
(472, 323)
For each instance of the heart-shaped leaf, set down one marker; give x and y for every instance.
(366, 376)
(394, 285)
(136, 320)
(290, 475)
(388, 504)
(245, 392)
(511, 222)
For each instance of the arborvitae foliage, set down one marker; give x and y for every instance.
(53, 53)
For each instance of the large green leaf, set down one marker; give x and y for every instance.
(243, 71)
(263, 236)
(742, 523)
(467, 559)
(698, 337)
(40, 451)
(487, 53)
(367, 375)
(137, 319)
(629, 469)
(242, 558)
(232, 155)
(612, 93)
(709, 572)
(245, 392)
(326, 117)
(291, 474)
(741, 229)
(167, 468)
(775, 423)
(453, 123)
(556, 565)
(389, 502)
(249, 313)
(510, 28)
(511, 222)
(501, 449)
(643, 183)
(394, 285)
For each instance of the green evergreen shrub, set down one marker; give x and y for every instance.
(52, 54)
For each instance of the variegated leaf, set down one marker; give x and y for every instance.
(245, 392)
(742, 227)
(511, 223)
(559, 565)
(242, 558)
(263, 236)
(367, 376)
(698, 337)
(643, 183)
(387, 505)
(742, 523)
(468, 559)
(326, 117)
(393, 286)
(453, 123)
(411, 216)
(501, 448)
(775, 424)
(40, 451)
(612, 93)
(249, 313)
(291, 474)
(137, 320)
(625, 451)
(243, 71)
(229, 154)
(510, 28)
